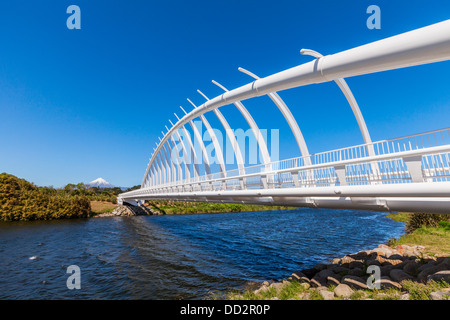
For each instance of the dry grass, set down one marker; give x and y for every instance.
(102, 206)
(436, 240)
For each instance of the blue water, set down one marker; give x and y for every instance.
(178, 256)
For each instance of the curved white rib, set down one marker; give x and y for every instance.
(187, 169)
(421, 46)
(163, 167)
(179, 160)
(351, 100)
(199, 138)
(289, 118)
(254, 127)
(160, 174)
(231, 136)
(215, 141)
(168, 165)
(191, 147)
(168, 153)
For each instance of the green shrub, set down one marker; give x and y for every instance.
(22, 200)
(417, 220)
(445, 225)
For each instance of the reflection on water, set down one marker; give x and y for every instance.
(177, 257)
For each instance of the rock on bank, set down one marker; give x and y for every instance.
(127, 210)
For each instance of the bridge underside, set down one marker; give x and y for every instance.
(407, 198)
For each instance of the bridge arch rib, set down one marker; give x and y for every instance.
(199, 139)
(253, 126)
(232, 138)
(410, 176)
(342, 84)
(289, 118)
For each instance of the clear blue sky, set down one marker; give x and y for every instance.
(80, 104)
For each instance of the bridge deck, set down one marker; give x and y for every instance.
(401, 171)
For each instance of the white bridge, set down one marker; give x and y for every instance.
(404, 174)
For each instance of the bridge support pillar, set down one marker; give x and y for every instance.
(295, 178)
(242, 184)
(264, 181)
(414, 165)
(340, 172)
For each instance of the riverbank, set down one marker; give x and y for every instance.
(409, 270)
(106, 209)
(191, 207)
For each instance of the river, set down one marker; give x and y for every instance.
(177, 256)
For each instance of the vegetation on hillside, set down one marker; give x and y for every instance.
(81, 189)
(22, 200)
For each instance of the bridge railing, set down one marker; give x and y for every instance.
(421, 157)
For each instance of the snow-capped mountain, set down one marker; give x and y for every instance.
(100, 183)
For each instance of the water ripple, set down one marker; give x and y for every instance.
(177, 257)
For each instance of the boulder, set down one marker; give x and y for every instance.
(411, 267)
(425, 266)
(402, 248)
(336, 261)
(325, 273)
(277, 285)
(405, 296)
(397, 256)
(445, 260)
(423, 275)
(356, 264)
(320, 267)
(371, 262)
(387, 261)
(347, 260)
(335, 279)
(386, 270)
(318, 281)
(310, 273)
(361, 255)
(300, 277)
(440, 295)
(263, 288)
(305, 296)
(343, 291)
(305, 285)
(339, 269)
(327, 295)
(382, 251)
(354, 282)
(399, 275)
(387, 283)
(356, 272)
(443, 275)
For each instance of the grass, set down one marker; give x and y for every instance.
(399, 216)
(182, 207)
(436, 240)
(420, 291)
(291, 290)
(98, 207)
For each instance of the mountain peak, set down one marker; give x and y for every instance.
(100, 183)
